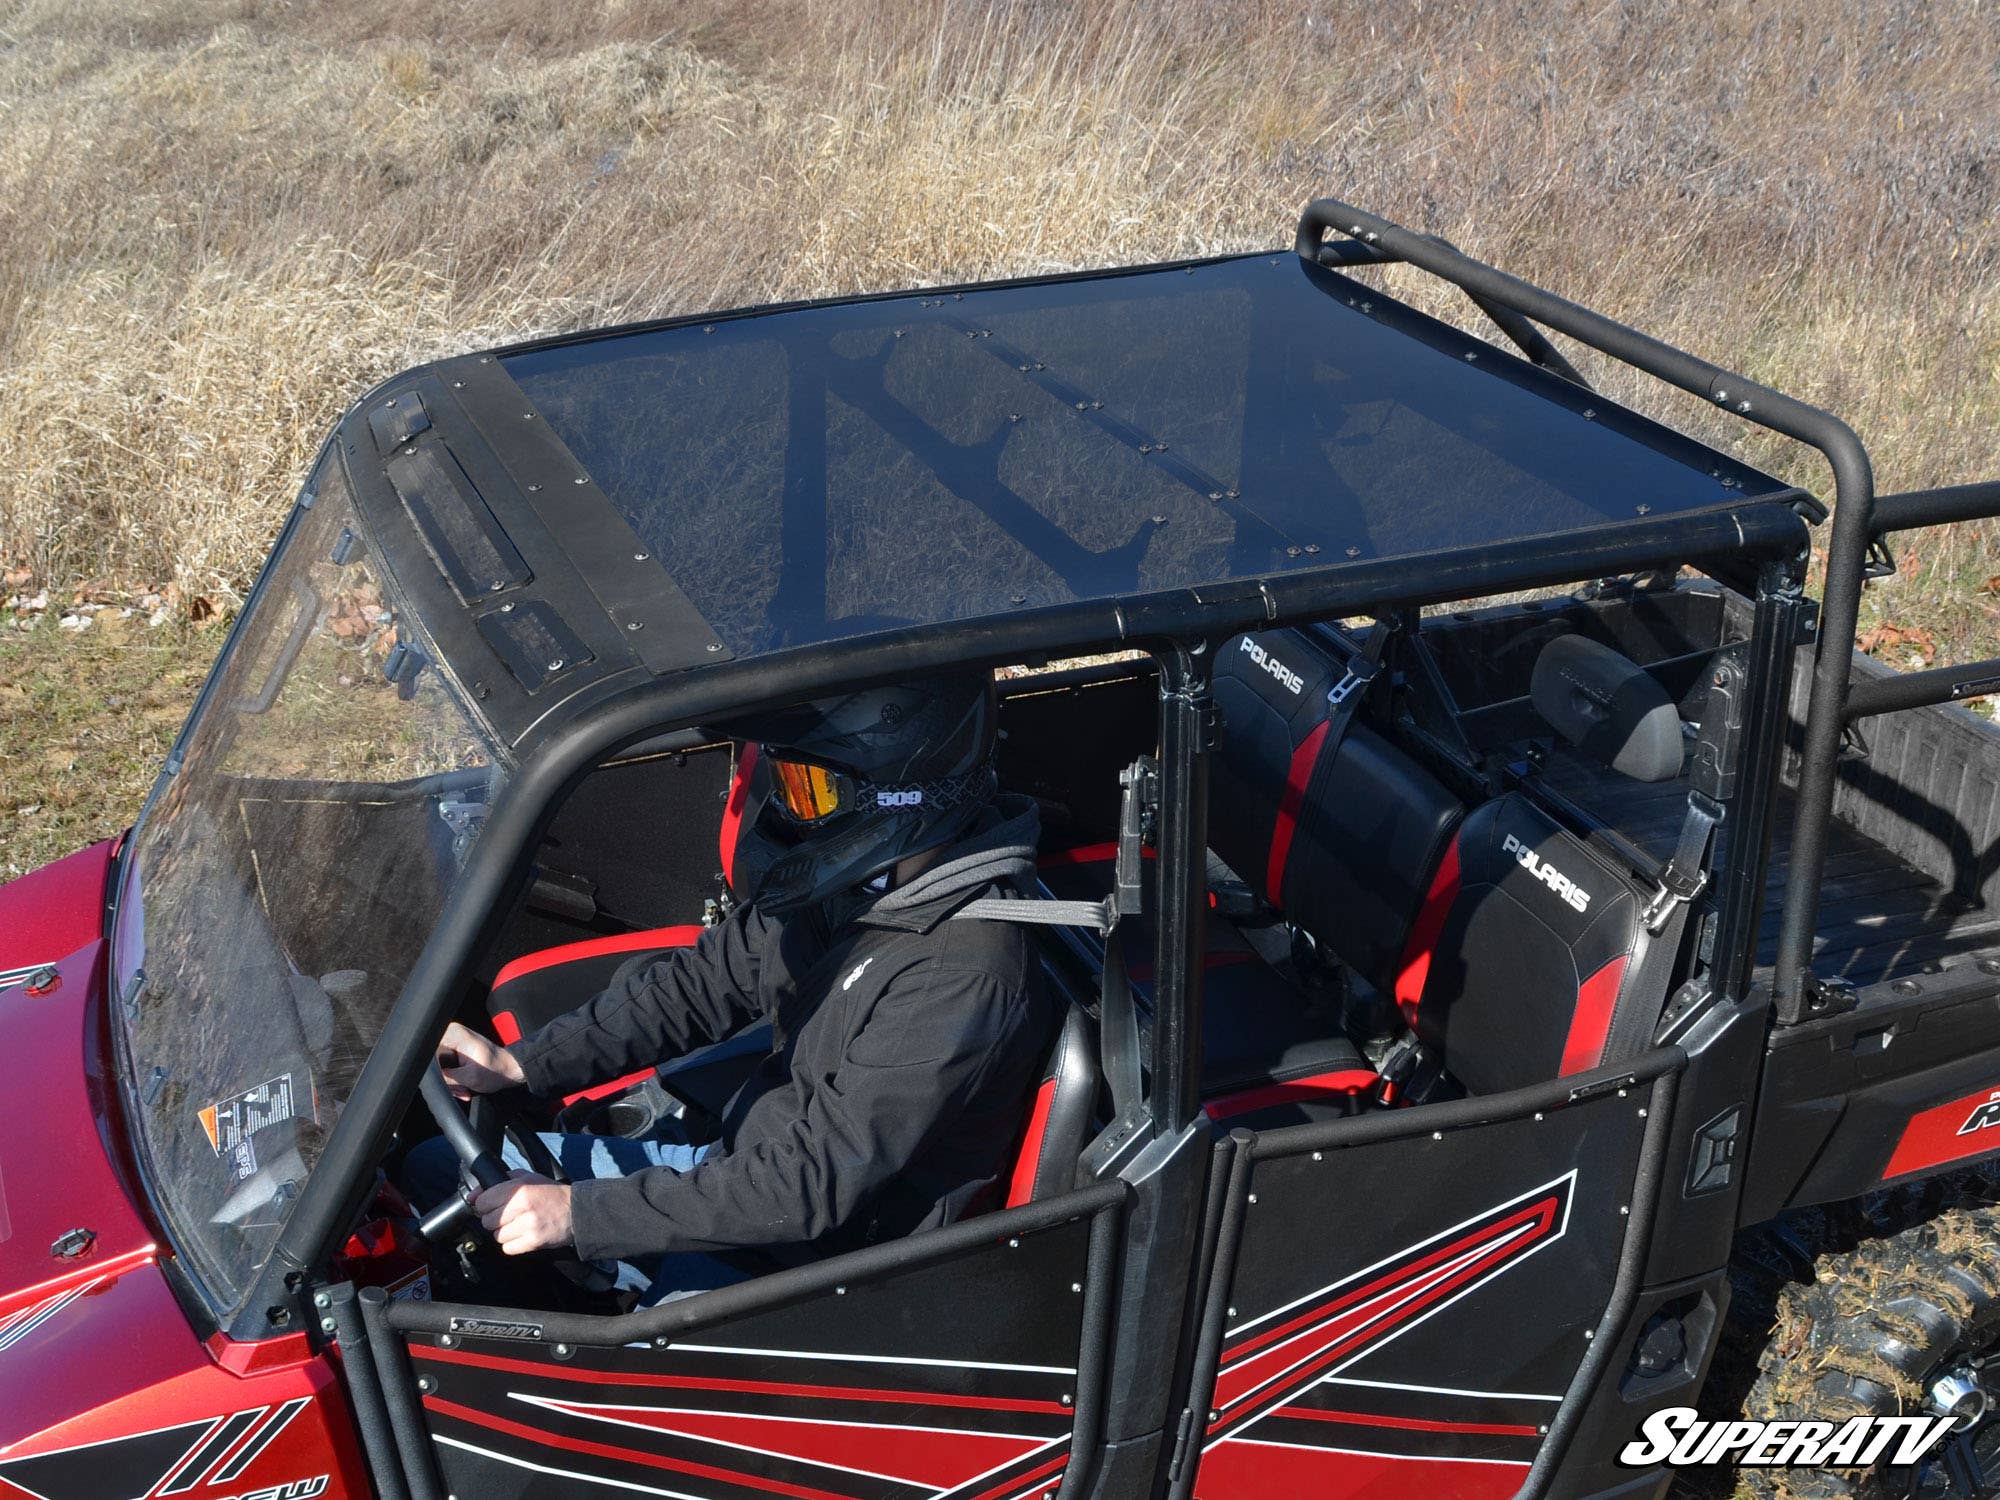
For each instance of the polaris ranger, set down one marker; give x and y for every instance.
(1500, 1042)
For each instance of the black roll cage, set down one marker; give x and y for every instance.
(1180, 627)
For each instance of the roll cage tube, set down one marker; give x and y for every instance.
(498, 861)
(1847, 551)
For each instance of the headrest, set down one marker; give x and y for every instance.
(1609, 707)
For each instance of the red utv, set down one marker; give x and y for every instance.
(1477, 1017)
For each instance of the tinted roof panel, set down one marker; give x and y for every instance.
(824, 471)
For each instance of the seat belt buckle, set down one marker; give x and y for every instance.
(1395, 1070)
(1360, 672)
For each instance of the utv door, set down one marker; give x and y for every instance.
(966, 1362)
(1399, 1304)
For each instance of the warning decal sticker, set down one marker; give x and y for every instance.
(231, 1122)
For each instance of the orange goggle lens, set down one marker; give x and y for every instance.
(806, 791)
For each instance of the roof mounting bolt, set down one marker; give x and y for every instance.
(481, 691)
(1017, 598)
(1143, 447)
(534, 489)
(1743, 406)
(458, 385)
(1013, 416)
(581, 479)
(635, 624)
(1721, 397)
(1215, 494)
(1040, 366)
(715, 645)
(958, 296)
(527, 416)
(1159, 520)
(1312, 549)
(1368, 307)
(1026, 368)
(641, 556)
(1232, 494)
(1470, 356)
(1097, 406)
(1082, 406)
(507, 608)
(1353, 551)
(1292, 551)
(556, 665)
(1989, 965)
(708, 328)
(486, 359)
(1590, 414)
(1644, 510)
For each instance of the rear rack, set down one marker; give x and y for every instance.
(1859, 522)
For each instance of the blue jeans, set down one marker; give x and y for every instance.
(431, 1172)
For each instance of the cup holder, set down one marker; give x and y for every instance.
(626, 1117)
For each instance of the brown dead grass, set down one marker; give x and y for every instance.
(221, 220)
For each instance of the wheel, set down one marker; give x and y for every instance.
(1887, 1307)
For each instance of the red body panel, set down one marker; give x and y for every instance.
(56, 1173)
(50, 913)
(1946, 1133)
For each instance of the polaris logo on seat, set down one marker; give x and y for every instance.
(1276, 668)
(1574, 895)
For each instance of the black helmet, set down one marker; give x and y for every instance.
(859, 782)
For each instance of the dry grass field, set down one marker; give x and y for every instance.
(221, 220)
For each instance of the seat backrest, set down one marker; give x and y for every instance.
(1508, 944)
(1059, 1121)
(1520, 966)
(1342, 839)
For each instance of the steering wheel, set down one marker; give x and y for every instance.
(476, 1136)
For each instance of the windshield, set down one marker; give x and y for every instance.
(281, 886)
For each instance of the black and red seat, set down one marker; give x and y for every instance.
(1509, 944)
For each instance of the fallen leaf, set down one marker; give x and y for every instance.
(201, 609)
(1991, 586)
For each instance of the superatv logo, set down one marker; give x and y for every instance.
(1678, 1437)
(1271, 664)
(1573, 894)
(1985, 1117)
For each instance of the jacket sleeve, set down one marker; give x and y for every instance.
(689, 998)
(924, 1051)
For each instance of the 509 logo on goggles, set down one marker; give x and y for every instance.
(1679, 1437)
(907, 797)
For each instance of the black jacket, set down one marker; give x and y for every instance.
(906, 1049)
